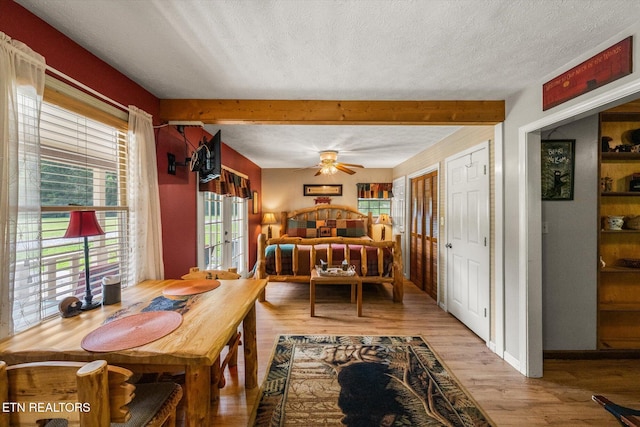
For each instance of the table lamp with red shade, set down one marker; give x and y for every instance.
(85, 224)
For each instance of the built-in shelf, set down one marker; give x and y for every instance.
(620, 194)
(618, 286)
(619, 270)
(620, 156)
(619, 307)
(620, 343)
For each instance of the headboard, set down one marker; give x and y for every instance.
(325, 211)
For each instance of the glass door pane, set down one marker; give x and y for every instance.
(238, 226)
(225, 232)
(213, 231)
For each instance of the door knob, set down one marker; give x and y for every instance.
(449, 245)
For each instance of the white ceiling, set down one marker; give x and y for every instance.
(336, 50)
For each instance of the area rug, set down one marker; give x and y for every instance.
(361, 381)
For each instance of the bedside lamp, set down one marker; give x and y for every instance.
(85, 224)
(269, 218)
(385, 220)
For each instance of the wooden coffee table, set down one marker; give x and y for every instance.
(356, 288)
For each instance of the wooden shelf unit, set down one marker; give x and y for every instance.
(618, 286)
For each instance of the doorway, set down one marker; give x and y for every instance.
(223, 221)
(424, 233)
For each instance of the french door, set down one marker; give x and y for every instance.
(224, 232)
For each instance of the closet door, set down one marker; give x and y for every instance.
(424, 233)
(417, 232)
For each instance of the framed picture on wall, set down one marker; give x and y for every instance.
(322, 190)
(557, 174)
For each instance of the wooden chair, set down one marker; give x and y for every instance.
(92, 394)
(626, 416)
(231, 358)
(195, 273)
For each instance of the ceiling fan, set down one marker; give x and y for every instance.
(329, 164)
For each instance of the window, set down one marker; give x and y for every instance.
(82, 166)
(375, 206)
(375, 197)
(225, 231)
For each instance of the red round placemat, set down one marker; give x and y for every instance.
(132, 331)
(190, 287)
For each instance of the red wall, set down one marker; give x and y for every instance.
(177, 193)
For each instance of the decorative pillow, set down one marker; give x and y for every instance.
(301, 228)
(351, 227)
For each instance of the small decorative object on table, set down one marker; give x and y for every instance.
(69, 307)
(335, 270)
(606, 184)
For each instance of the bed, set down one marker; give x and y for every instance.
(331, 233)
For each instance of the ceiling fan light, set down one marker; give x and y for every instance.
(328, 169)
(328, 156)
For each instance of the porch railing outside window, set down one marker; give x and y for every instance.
(225, 236)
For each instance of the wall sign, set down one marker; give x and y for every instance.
(605, 67)
(557, 159)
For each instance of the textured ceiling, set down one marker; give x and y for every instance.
(338, 49)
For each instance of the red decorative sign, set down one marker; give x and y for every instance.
(605, 67)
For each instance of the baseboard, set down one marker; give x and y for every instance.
(512, 361)
(590, 354)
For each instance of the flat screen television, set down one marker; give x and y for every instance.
(206, 159)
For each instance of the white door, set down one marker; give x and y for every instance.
(468, 228)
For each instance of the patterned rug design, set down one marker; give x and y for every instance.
(362, 381)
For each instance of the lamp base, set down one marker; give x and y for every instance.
(90, 306)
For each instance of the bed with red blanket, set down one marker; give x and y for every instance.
(330, 233)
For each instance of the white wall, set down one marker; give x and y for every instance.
(569, 248)
(522, 210)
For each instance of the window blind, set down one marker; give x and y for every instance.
(82, 166)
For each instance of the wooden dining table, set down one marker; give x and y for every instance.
(210, 320)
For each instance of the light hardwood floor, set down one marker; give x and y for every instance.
(561, 397)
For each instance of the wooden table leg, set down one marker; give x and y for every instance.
(312, 296)
(353, 292)
(359, 292)
(250, 349)
(197, 392)
(216, 374)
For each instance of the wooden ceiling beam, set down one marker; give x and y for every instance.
(316, 112)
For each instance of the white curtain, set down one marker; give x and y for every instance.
(21, 90)
(145, 231)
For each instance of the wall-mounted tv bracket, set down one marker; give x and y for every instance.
(171, 164)
(180, 125)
